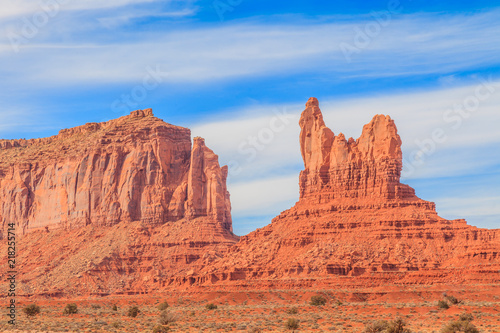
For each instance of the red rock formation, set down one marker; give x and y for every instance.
(129, 206)
(136, 168)
(114, 207)
(336, 168)
(356, 220)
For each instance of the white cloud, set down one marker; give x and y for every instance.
(264, 196)
(477, 206)
(242, 50)
(469, 149)
(69, 52)
(115, 21)
(16, 8)
(263, 140)
(416, 115)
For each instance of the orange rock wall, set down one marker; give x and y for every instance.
(136, 168)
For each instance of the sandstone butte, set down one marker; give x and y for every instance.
(130, 206)
(356, 225)
(113, 207)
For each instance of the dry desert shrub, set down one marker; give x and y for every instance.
(460, 327)
(163, 306)
(166, 318)
(292, 324)
(466, 317)
(31, 310)
(318, 300)
(443, 305)
(452, 299)
(379, 326)
(383, 326)
(160, 329)
(71, 309)
(211, 306)
(397, 326)
(133, 312)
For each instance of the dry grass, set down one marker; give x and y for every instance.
(253, 311)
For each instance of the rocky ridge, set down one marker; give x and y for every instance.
(115, 207)
(355, 223)
(135, 168)
(132, 206)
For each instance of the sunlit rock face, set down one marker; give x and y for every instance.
(356, 224)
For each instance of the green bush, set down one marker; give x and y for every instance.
(460, 327)
(163, 306)
(292, 324)
(211, 306)
(95, 306)
(71, 309)
(160, 329)
(31, 310)
(166, 318)
(133, 312)
(292, 311)
(443, 305)
(114, 308)
(318, 300)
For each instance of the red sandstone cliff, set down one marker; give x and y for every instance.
(355, 223)
(136, 168)
(113, 207)
(131, 206)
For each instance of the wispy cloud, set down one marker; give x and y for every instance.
(417, 115)
(477, 206)
(114, 21)
(264, 196)
(467, 151)
(255, 48)
(92, 44)
(15, 9)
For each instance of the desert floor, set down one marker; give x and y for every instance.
(346, 310)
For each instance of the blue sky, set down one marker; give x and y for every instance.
(231, 70)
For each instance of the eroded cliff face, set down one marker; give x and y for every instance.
(130, 206)
(336, 168)
(135, 168)
(356, 224)
(116, 207)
